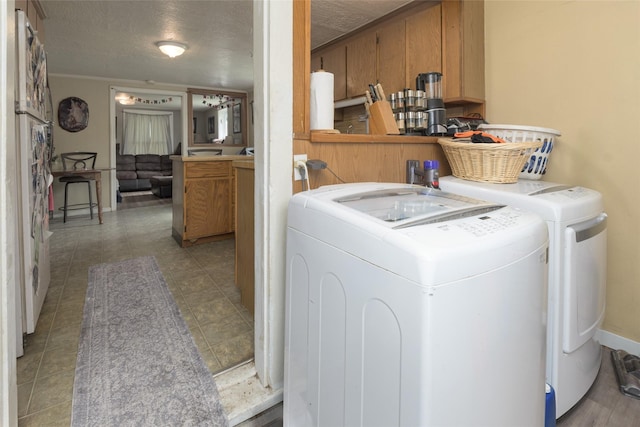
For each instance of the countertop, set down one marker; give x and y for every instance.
(354, 138)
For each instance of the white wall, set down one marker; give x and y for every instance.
(575, 66)
(95, 137)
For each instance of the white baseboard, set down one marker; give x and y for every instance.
(616, 342)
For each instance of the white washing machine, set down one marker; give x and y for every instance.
(577, 274)
(407, 306)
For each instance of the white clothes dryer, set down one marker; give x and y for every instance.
(408, 306)
(577, 274)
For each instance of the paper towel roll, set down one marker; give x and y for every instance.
(321, 111)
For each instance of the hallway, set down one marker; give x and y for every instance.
(201, 279)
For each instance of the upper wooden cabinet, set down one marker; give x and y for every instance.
(424, 44)
(361, 64)
(392, 56)
(463, 51)
(445, 36)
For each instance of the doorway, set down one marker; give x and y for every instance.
(148, 99)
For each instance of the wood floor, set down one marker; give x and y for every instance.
(604, 405)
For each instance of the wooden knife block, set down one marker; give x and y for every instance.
(381, 121)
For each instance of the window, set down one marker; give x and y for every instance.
(147, 132)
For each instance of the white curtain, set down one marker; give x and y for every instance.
(147, 132)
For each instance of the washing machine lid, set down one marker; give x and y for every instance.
(427, 236)
(552, 201)
(411, 206)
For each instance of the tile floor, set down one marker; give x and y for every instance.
(201, 279)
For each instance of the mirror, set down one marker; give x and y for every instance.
(217, 117)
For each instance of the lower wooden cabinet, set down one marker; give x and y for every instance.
(203, 200)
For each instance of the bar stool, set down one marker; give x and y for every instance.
(77, 161)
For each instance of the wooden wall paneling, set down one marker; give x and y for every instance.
(424, 44)
(362, 162)
(301, 67)
(391, 56)
(361, 64)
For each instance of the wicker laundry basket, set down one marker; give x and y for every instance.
(498, 163)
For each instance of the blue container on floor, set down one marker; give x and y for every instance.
(550, 407)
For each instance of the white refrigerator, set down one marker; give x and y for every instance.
(34, 137)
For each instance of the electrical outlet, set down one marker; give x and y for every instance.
(296, 171)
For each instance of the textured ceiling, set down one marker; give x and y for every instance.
(116, 39)
(331, 19)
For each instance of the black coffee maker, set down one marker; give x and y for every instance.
(431, 84)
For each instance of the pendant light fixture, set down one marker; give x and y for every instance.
(172, 49)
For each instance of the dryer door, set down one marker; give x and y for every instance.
(585, 269)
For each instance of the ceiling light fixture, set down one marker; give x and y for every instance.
(172, 49)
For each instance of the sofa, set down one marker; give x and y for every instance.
(134, 172)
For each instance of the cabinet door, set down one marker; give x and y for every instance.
(334, 60)
(207, 204)
(391, 56)
(223, 206)
(463, 50)
(424, 44)
(361, 64)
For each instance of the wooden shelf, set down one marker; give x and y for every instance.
(462, 101)
(352, 138)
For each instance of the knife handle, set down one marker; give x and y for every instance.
(372, 91)
(368, 95)
(381, 92)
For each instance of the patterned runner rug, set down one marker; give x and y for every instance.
(137, 362)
